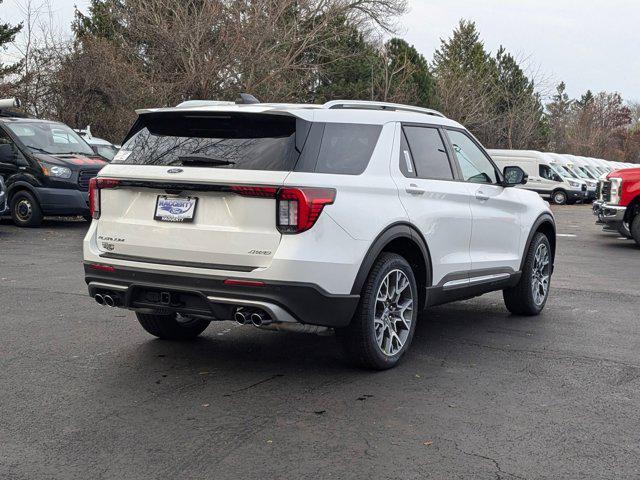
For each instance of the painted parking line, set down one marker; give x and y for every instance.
(570, 235)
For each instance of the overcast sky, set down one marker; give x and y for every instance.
(590, 44)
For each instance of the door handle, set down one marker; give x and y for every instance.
(413, 189)
(480, 195)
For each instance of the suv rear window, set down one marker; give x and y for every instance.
(241, 141)
(249, 142)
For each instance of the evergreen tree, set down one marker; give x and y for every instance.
(417, 76)
(102, 21)
(7, 35)
(349, 75)
(466, 77)
(558, 117)
(518, 104)
(463, 53)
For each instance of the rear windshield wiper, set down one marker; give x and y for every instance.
(204, 159)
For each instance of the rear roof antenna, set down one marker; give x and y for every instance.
(246, 99)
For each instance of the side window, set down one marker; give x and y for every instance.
(346, 148)
(475, 165)
(8, 150)
(428, 152)
(546, 172)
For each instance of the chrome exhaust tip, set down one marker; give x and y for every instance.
(99, 299)
(240, 317)
(109, 301)
(260, 319)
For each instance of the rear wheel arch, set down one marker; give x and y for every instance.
(405, 240)
(546, 225)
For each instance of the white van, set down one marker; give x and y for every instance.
(546, 177)
(570, 163)
(586, 166)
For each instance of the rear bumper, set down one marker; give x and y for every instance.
(63, 201)
(139, 289)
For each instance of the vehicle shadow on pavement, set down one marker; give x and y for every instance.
(53, 222)
(234, 349)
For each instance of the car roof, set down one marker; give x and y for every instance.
(26, 120)
(347, 111)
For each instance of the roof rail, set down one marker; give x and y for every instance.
(203, 103)
(367, 105)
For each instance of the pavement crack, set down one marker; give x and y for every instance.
(499, 473)
(244, 389)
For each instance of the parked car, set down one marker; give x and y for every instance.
(102, 147)
(618, 207)
(46, 167)
(349, 215)
(545, 176)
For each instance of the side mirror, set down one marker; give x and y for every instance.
(514, 176)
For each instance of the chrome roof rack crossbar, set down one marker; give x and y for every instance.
(396, 107)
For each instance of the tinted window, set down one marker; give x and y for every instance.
(346, 148)
(428, 152)
(475, 165)
(240, 141)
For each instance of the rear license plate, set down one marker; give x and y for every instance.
(175, 209)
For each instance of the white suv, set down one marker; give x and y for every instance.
(350, 215)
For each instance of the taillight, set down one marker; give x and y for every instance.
(254, 191)
(298, 209)
(95, 185)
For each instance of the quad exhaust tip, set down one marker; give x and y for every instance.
(260, 319)
(241, 317)
(106, 300)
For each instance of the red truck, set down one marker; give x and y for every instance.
(618, 205)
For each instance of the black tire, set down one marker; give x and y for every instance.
(172, 326)
(635, 229)
(519, 299)
(359, 338)
(559, 197)
(25, 210)
(625, 230)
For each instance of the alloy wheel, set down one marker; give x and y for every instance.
(393, 312)
(540, 274)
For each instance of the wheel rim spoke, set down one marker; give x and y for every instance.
(540, 274)
(393, 313)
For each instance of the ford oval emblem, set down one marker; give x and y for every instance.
(175, 170)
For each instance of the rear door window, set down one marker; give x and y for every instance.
(427, 150)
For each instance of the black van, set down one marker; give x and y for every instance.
(46, 167)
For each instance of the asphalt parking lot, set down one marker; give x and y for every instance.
(86, 394)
